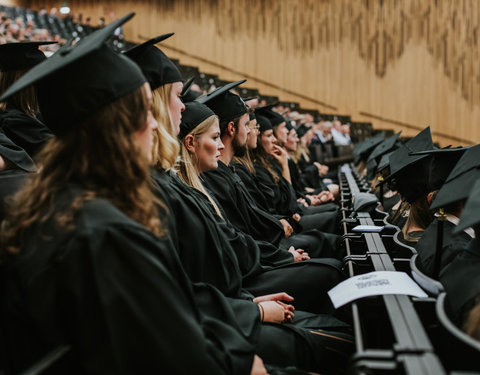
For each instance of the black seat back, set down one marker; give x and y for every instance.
(459, 351)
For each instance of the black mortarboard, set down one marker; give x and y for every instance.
(194, 114)
(302, 130)
(80, 79)
(401, 158)
(22, 55)
(227, 106)
(384, 161)
(384, 147)
(156, 66)
(263, 123)
(471, 212)
(362, 150)
(289, 124)
(444, 160)
(371, 167)
(188, 95)
(412, 185)
(274, 117)
(459, 182)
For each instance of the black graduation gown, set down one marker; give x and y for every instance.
(461, 280)
(25, 131)
(17, 156)
(427, 246)
(253, 186)
(193, 215)
(228, 259)
(118, 295)
(283, 200)
(240, 208)
(243, 212)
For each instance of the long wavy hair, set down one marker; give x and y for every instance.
(25, 100)
(101, 156)
(165, 144)
(187, 162)
(261, 157)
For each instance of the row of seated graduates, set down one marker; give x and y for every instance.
(428, 204)
(58, 352)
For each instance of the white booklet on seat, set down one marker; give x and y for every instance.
(374, 284)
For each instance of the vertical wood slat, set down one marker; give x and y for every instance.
(411, 61)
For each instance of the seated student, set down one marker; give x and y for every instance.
(410, 176)
(461, 278)
(210, 258)
(276, 158)
(227, 187)
(312, 173)
(198, 155)
(387, 197)
(302, 190)
(273, 174)
(19, 114)
(87, 259)
(444, 162)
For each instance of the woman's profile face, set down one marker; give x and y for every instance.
(207, 148)
(144, 136)
(267, 141)
(281, 133)
(292, 139)
(176, 106)
(252, 136)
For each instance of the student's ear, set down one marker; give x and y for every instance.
(430, 198)
(231, 129)
(189, 143)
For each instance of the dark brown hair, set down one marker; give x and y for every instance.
(260, 156)
(102, 156)
(25, 100)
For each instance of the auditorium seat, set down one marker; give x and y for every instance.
(459, 352)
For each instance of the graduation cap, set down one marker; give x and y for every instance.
(364, 148)
(371, 167)
(263, 123)
(80, 79)
(156, 66)
(459, 182)
(384, 147)
(226, 105)
(194, 114)
(412, 185)
(471, 212)
(274, 117)
(302, 130)
(188, 95)
(22, 55)
(401, 158)
(443, 162)
(384, 162)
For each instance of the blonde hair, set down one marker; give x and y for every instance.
(165, 144)
(297, 154)
(187, 162)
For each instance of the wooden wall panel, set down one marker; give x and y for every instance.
(401, 64)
